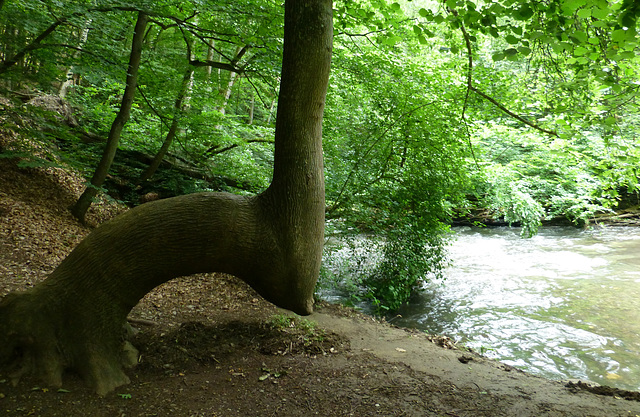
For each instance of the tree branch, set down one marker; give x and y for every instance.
(33, 45)
(36, 43)
(512, 114)
(215, 64)
(215, 151)
(470, 87)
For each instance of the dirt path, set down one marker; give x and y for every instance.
(518, 393)
(211, 347)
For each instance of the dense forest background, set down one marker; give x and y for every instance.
(438, 113)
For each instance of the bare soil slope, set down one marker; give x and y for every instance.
(211, 347)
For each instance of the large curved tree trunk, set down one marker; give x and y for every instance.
(273, 241)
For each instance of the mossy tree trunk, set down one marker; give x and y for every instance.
(273, 241)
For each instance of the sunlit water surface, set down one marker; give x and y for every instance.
(564, 304)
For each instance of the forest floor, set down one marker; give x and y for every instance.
(211, 347)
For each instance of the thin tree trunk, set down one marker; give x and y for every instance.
(273, 105)
(226, 93)
(210, 51)
(251, 109)
(233, 76)
(79, 210)
(178, 108)
(68, 79)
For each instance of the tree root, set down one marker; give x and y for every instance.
(39, 346)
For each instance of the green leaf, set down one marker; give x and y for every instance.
(619, 35)
(580, 50)
(524, 50)
(610, 121)
(425, 13)
(579, 36)
(570, 6)
(498, 56)
(627, 55)
(525, 13)
(487, 21)
(511, 54)
(601, 12)
(628, 19)
(558, 47)
(584, 13)
(512, 40)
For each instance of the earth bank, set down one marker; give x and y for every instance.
(211, 347)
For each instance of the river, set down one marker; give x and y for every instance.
(564, 304)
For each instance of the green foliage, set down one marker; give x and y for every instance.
(97, 105)
(511, 198)
(393, 165)
(306, 331)
(410, 256)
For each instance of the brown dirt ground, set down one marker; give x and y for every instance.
(211, 347)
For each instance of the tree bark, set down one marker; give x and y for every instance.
(273, 241)
(79, 209)
(68, 78)
(252, 104)
(226, 93)
(210, 51)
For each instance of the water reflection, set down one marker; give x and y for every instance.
(562, 304)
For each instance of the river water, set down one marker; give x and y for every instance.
(564, 304)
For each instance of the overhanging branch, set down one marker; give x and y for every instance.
(493, 101)
(512, 114)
